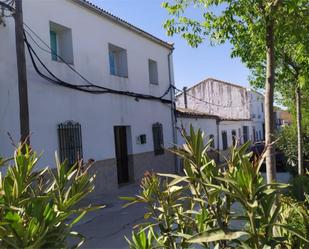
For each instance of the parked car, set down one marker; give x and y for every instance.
(258, 149)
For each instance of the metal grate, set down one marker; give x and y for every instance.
(70, 141)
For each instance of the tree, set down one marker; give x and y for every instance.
(250, 26)
(293, 68)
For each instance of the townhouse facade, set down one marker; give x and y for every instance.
(237, 111)
(99, 90)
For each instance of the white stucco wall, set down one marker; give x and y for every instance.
(207, 125)
(229, 126)
(257, 114)
(217, 98)
(50, 105)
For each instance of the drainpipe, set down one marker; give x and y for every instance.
(173, 110)
(185, 97)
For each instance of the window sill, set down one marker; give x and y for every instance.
(120, 76)
(60, 61)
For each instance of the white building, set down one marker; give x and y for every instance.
(228, 104)
(125, 135)
(257, 115)
(217, 97)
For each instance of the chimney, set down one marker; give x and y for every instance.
(185, 96)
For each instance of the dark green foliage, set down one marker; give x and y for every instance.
(287, 143)
(214, 207)
(38, 206)
(299, 187)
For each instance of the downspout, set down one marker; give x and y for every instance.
(173, 110)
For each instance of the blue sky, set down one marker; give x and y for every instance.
(191, 65)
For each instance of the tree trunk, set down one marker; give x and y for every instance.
(269, 103)
(299, 131)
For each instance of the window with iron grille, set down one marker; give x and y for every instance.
(158, 142)
(70, 142)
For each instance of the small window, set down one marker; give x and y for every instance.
(118, 64)
(212, 138)
(239, 135)
(153, 72)
(61, 43)
(158, 142)
(253, 134)
(262, 107)
(245, 130)
(234, 137)
(70, 142)
(224, 140)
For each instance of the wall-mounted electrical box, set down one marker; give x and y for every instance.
(141, 139)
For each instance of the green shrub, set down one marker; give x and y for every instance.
(299, 186)
(214, 207)
(38, 207)
(287, 143)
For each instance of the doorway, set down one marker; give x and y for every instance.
(121, 149)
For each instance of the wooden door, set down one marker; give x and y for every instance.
(121, 150)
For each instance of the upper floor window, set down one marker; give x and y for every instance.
(262, 107)
(118, 64)
(61, 43)
(158, 141)
(153, 72)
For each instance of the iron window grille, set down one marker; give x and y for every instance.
(158, 142)
(70, 142)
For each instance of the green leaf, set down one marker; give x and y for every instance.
(216, 235)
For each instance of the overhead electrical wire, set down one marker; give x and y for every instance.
(88, 88)
(206, 102)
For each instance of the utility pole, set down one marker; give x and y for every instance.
(22, 73)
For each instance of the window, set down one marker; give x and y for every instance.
(234, 137)
(61, 43)
(239, 134)
(118, 64)
(158, 142)
(245, 133)
(224, 140)
(253, 134)
(153, 72)
(212, 138)
(70, 142)
(260, 135)
(262, 107)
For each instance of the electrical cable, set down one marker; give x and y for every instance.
(102, 90)
(204, 101)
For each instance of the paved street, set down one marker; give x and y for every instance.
(106, 228)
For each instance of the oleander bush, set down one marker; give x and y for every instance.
(212, 207)
(38, 207)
